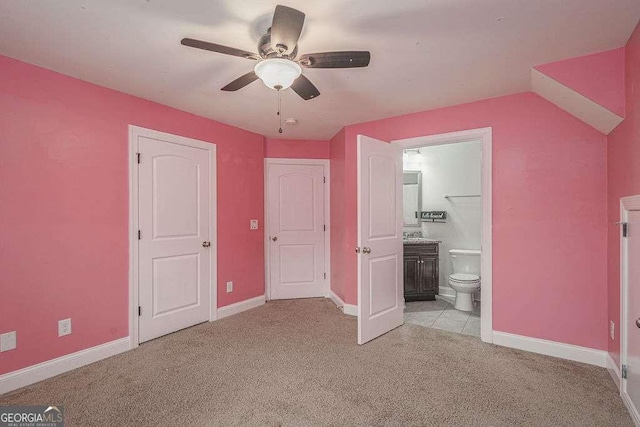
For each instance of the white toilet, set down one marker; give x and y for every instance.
(465, 279)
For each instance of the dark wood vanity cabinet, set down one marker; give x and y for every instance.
(421, 271)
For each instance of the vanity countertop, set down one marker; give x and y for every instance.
(419, 240)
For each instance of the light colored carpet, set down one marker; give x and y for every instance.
(297, 363)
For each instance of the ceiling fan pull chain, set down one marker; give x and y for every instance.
(279, 115)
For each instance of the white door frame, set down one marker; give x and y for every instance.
(485, 136)
(134, 133)
(631, 203)
(327, 218)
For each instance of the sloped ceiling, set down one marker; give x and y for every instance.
(425, 53)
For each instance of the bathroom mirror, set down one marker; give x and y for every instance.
(411, 197)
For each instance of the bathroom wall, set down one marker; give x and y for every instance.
(454, 170)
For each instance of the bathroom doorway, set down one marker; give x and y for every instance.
(447, 232)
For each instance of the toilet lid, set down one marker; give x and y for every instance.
(463, 277)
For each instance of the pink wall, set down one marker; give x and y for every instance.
(295, 149)
(549, 213)
(64, 210)
(599, 77)
(338, 219)
(623, 155)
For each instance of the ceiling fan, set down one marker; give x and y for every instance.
(277, 65)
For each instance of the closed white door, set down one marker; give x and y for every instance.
(380, 280)
(174, 240)
(631, 386)
(296, 231)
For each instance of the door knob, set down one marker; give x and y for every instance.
(638, 323)
(274, 238)
(366, 250)
(206, 244)
(357, 249)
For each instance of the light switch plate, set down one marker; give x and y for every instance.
(229, 287)
(64, 327)
(253, 225)
(8, 341)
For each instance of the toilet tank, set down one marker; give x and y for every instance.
(465, 261)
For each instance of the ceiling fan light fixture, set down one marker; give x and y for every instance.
(277, 73)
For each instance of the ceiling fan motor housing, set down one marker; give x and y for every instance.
(266, 50)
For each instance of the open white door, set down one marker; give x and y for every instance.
(380, 280)
(631, 305)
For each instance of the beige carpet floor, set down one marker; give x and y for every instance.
(297, 363)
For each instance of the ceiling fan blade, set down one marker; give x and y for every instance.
(349, 59)
(241, 82)
(303, 87)
(198, 44)
(286, 29)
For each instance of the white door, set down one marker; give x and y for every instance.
(631, 338)
(380, 280)
(174, 242)
(296, 231)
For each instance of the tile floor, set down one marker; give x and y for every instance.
(440, 314)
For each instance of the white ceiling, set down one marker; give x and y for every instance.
(424, 53)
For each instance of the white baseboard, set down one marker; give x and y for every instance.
(239, 307)
(32, 374)
(351, 310)
(446, 291)
(336, 299)
(552, 348)
(614, 370)
(633, 411)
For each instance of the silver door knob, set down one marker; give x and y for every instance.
(638, 323)
(366, 250)
(274, 238)
(206, 244)
(357, 249)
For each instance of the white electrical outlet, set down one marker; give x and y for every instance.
(64, 327)
(253, 225)
(229, 287)
(8, 341)
(612, 330)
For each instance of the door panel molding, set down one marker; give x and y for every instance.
(135, 133)
(327, 217)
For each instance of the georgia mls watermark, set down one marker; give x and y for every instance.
(31, 416)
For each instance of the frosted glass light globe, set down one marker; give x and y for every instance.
(277, 73)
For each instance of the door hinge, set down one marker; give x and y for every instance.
(325, 276)
(324, 179)
(138, 156)
(324, 227)
(624, 372)
(139, 235)
(139, 311)
(625, 229)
